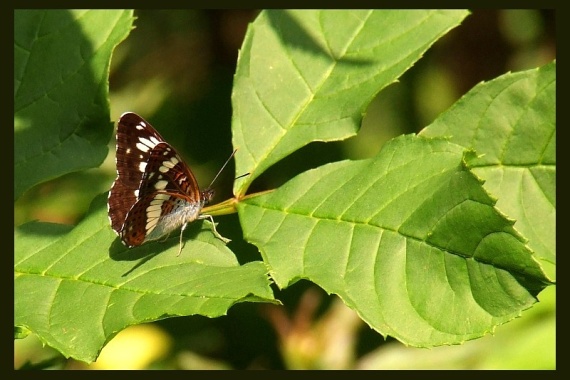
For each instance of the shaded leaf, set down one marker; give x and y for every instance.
(61, 64)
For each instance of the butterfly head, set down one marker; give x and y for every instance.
(207, 195)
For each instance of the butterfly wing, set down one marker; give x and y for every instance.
(169, 196)
(166, 172)
(155, 215)
(135, 140)
(155, 192)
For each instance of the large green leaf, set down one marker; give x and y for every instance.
(511, 123)
(61, 111)
(409, 239)
(309, 75)
(77, 290)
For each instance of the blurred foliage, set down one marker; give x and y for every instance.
(176, 70)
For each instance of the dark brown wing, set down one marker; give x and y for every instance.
(166, 172)
(157, 214)
(167, 184)
(135, 140)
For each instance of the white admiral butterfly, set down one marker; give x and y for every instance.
(155, 191)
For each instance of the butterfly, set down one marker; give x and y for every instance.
(155, 191)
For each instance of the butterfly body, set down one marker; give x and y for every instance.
(180, 212)
(155, 192)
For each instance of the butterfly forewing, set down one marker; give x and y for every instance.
(135, 139)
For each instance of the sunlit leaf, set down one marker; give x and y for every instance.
(309, 75)
(77, 290)
(409, 239)
(511, 123)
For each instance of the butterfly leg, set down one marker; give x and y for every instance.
(225, 240)
(165, 238)
(181, 232)
(216, 233)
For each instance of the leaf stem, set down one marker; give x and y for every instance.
(229, 205)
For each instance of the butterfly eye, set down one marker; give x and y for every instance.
(207, 195)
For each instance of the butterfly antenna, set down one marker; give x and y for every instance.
(220, 171)
(241, 176)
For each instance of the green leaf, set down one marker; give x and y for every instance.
(61, 110)
(77, 290)
(409, 239)
(526, 343)
(307, 75)
(511, 123)
(21, 332)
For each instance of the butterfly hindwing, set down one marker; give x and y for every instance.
(155, 215)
